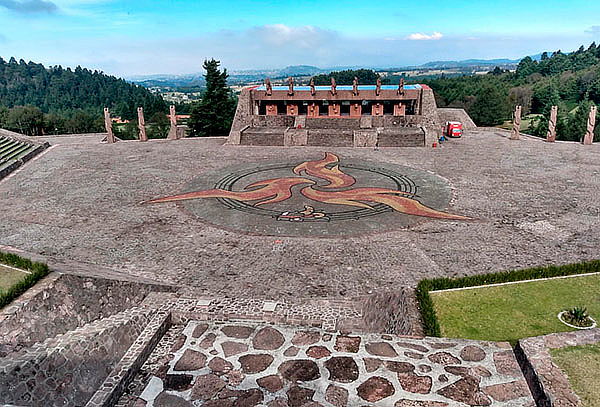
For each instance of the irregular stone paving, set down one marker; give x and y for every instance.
(82, 202)
(243, 365)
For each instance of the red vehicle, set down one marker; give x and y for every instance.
(453, 129)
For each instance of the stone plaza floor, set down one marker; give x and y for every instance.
(80, 205)
(239, 364)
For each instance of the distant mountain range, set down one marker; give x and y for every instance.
(245, 76)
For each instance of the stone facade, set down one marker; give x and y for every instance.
(259, 120)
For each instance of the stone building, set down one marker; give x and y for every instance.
(354, 115)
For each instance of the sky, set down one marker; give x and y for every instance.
(140, 37)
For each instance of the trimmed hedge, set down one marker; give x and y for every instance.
(38, 271)
(430, 322)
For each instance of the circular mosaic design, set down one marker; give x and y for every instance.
(325, 196)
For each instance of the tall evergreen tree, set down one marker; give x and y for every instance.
(213, 115)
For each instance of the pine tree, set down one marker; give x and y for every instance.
(213, 115)
(577, 123)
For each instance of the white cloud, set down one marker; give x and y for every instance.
(281, 35)
(29, 6)
(593, 30)
(424, 37)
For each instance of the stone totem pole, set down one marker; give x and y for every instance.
(268, 87)
(142, 124)
(551, 135)
(591, 123)
(355, 86)
(173, 119)
(110, 137)
(516, 131)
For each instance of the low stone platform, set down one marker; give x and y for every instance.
(240, 364)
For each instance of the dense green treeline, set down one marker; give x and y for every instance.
(365, 77)
(38, 100)
(570, 81)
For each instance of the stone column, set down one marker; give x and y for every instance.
(516, 131)
(399, 109)
(377, 109)
(591, 123)
(110, 137)
(173, 119)
(551, 135)
(142, 124)
(271, 109)
(292, 109)
(334, 110)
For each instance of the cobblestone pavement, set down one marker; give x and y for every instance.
(535, 203)
(263, 365)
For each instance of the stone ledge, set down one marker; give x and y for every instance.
(549, 384)
(113, 386)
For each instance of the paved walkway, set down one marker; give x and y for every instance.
(239, 364)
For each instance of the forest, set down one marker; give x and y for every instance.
(570, 81)
(37, 100)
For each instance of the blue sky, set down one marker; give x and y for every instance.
(175, 36)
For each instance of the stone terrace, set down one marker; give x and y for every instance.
(240, 364)
(535, 203)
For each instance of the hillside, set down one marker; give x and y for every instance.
(56, 89)
(569, 80)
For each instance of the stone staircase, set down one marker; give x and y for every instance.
(68, 368)
(15, 150)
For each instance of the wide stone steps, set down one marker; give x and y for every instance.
(68, 368)
(15, 149)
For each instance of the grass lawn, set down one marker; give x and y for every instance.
(9, 276)
(581, 364)
(525, 122)
(514, 311)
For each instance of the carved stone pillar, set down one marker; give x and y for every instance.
(142, 124)
(377, 109)
(110, 138)
(292, 109)
(334, 110)
(551, 135)
(173, 120)
(516, 131)
(355, 110)
(271, 109)
(399, 109)
(313, 110)
(591, 123)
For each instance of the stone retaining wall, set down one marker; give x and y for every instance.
(66, 370)
(456, 115)
(73, 301)
(549, 384)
